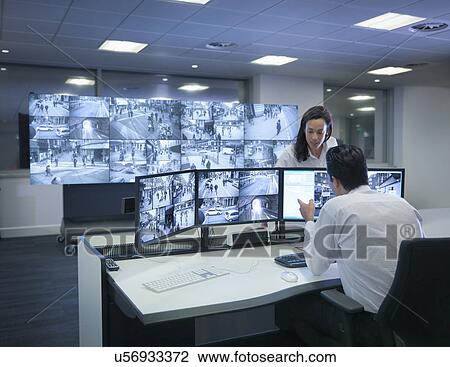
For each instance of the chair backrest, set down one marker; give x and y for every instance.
(417, 308)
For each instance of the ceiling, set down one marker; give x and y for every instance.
(319, 32)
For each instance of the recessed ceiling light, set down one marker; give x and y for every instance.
(390, 70)
(193, 87)
(377, 80)
(329, 90)
(274, 60)
(2, 69)
(390, 21)
(202, 2)
(5, 51)
(428, 27)
(220, 45)
(122, 46)
(195, 66)
(165, 79)
(80, 81)
(361, 98)
(352, 114)
(366, 109)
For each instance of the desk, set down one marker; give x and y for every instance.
(254, 281)
(115, 306)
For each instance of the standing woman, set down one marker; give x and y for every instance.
(313, 141)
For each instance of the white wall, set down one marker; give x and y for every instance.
(421, 136)
(303, 92)
(27, 210)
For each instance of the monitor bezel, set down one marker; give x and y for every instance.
(279, 207)
(283, 169)
(137, 240)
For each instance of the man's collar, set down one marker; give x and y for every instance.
(362, 188)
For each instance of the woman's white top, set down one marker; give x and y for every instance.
(288, 159)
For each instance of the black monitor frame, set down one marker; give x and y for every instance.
(282, 175)
(279, 208)
(138, 211)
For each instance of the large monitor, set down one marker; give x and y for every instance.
(165, 205)
(238, 196)
(87, 140)
(306, 184)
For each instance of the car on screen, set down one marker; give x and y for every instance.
(213, 211)
(228, 151)
(45, 128)
(62, 131)
(231, 215)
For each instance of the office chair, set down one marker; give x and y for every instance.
(416, 311)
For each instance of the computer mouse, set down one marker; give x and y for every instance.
(289, 276)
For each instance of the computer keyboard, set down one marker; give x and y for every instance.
(183, 279)
(296, 260)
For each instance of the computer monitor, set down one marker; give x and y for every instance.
(166, 205)
(311, 183)
(237, 196)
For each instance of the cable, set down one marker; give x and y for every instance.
(280, 242)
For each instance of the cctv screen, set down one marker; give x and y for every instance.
(166, 205)
(233, 196)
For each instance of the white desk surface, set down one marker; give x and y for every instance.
(253, 281)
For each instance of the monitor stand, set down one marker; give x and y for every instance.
(251, 238)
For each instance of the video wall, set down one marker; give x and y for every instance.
(84, 139)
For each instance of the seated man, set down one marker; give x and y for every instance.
(360, 230)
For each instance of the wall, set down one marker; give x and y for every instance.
(27, 210)
(303, 92)
(421, 136)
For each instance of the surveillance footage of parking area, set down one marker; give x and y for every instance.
(86, 139)
(237, 196)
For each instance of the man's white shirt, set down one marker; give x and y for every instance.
(365, 278)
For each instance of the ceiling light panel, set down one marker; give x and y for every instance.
(389, 21)
(390, 70)
(122, 46)
(201, 2)
(274, 60)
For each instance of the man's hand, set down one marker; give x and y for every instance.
(307, 210)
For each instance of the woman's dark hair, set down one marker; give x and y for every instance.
(314, 113)
(348, 165)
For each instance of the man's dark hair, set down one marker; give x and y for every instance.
(314, 113)
(348, 164)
